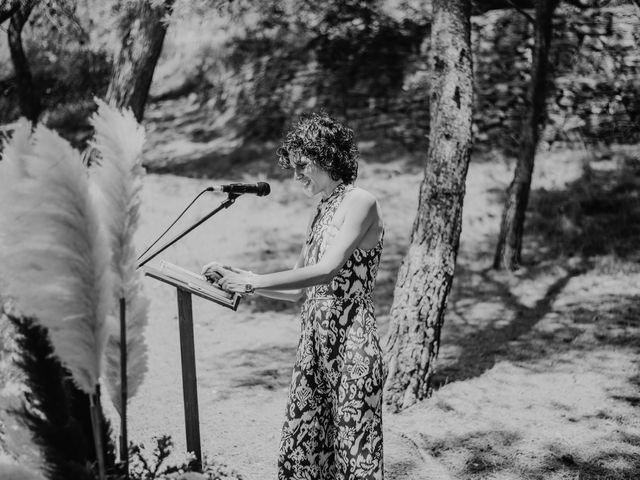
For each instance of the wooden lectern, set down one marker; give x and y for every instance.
(187, 283)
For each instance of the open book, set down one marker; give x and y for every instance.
(192, 282)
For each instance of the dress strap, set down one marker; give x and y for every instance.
(326, 208)
(338, 191)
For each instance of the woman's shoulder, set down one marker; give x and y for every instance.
(363, 200)
(361, 196)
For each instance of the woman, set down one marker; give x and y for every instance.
(333, 425)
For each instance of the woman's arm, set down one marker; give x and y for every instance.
(215, 269)
(360, 214)
(292, 295)
(286, 295)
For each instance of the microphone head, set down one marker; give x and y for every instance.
(263, 189)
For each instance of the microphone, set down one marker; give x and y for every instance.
(260, 189)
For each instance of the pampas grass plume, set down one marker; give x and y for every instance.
(118, 179)
(54, 253)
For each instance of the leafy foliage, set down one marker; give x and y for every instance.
(358, 41)
(152, 465)
(148, 465)
(54, 409)
(265, 62)
(66, 43)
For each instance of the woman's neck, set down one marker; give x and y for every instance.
(330, 188)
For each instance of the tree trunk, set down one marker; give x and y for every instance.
(427, 270)
(509, 249)
(7, 9)
(28, 96)
(142, 29)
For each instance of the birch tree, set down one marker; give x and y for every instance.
(426, 273)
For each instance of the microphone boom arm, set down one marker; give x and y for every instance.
(225, 204)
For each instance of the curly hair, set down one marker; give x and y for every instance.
(326, 142)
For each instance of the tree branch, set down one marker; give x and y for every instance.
(8, 8)
(531, 20)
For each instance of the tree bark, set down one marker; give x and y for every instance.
(509, 250)
(28, 96)
(142, 30)
(427, 270)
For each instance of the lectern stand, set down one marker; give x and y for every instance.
(188, 283)
(185, 287)
(189, 381)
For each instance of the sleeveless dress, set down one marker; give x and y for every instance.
(333, 422)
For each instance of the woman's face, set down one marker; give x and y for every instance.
(312, 178)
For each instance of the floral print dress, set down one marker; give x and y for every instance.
(333, 424)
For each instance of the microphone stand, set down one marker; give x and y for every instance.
(226, 204)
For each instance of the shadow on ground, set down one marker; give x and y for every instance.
(481, 343)
(268, 367)
(574, 302)
(591, 225)
(487, 453)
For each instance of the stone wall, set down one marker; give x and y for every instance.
(383, 92)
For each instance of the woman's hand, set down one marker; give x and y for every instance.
(210, 271)
(237, 282)
(229, 278)
(213, 270)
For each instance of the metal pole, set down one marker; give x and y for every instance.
(124, 441)
(226, 204)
